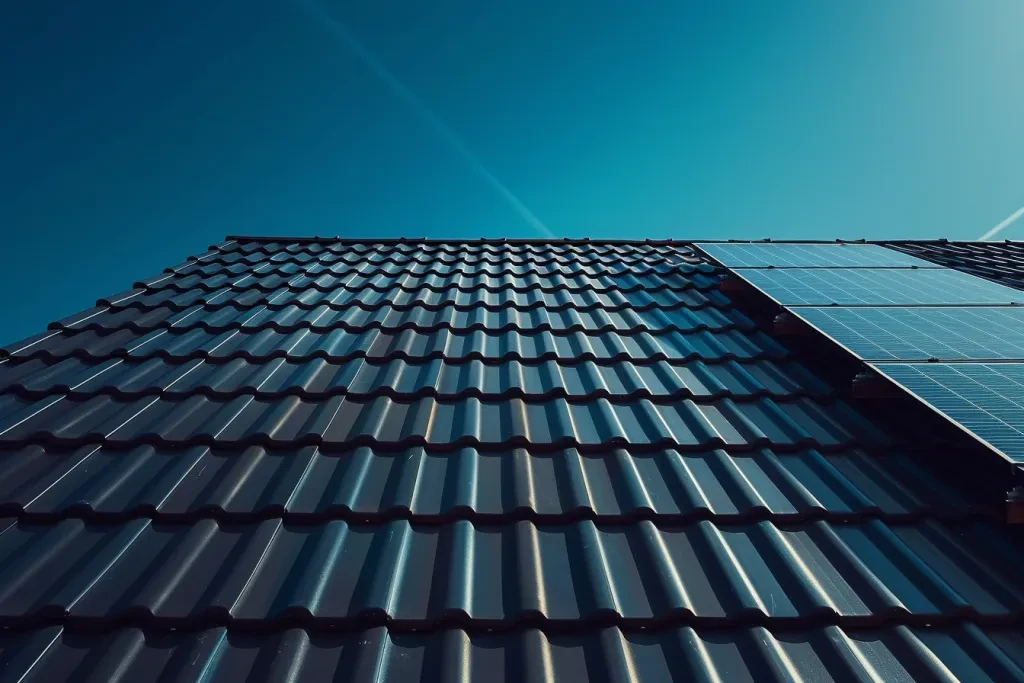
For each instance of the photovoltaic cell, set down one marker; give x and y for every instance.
(879, 287)
(906, 334)
(811, 256)
(985, 399)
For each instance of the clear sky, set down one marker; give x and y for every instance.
(135, 133)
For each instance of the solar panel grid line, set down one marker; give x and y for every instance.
(969, 395)
(1001, 262)
(916, 333)
(877, 288)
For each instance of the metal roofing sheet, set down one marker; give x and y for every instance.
(429, 484)
(743, 655)
(701, 572)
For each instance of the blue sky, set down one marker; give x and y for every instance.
(136, 133)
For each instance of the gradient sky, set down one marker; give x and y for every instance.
(136, 133)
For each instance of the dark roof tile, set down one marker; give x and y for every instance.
(550, 423)
(428, 484)
(339, 345)
(497, 436)
(318, 378)
(742, 655)
(858, 574)
(688, 317)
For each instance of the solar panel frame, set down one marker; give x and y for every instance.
(972, 396)
(773, 255)
(877, 287)
(922, 333)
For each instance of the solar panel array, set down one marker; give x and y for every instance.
(987, 399)
(878, 287)
(926, 333)
(949, 337)
(768, 255)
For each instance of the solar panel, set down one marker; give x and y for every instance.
(733, 255)
(879, 287)
(892, 334)
(985, 399)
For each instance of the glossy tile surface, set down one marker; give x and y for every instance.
(328, 460)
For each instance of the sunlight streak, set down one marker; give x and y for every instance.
(340, 31)
(1010, 220)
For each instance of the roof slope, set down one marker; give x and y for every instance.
(345, 461)
(999, 261)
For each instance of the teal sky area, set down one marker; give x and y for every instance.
(136, 133)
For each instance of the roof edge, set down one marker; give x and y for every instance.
(583, 240)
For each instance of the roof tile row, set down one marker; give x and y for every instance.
(427, 484)
(402, 379)
(398, 298)
(270, 280)
(519, 263)
(270, 247)
(684, 316)
(553, 423)
(896, 654)
(728, 343)
(208, 571)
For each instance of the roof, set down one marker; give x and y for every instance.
(325, 459)
(999, 261)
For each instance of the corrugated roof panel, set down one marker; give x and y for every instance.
(866, 572)
(895, 654)
(426, 483)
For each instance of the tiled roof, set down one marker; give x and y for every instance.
(316, 460)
